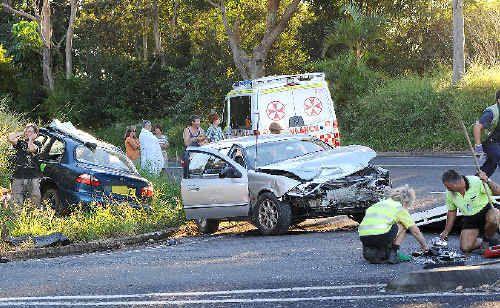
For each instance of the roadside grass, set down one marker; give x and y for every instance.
(101, 222)
(112, 220)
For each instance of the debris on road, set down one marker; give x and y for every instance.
(434, 215)
(172, 242)
(439, 255)
(51, 240)
(492, 252)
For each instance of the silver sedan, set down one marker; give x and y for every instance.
(275, 181)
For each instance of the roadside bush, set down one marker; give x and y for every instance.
(105, 222)
(417, 113)
(9, 122)
(348, 80)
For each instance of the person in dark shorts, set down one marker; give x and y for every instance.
(487, 136)
(384, 226)
(470, 196)
(26, 179)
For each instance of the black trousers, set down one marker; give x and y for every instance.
(376, 248)
(492, 151)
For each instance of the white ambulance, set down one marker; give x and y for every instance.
(301, 104)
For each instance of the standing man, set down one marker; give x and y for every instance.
(151, 155)
(26, 179)
(487, 136)
(468, 194)
(193, 135)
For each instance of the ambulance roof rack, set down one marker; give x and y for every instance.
(282, 79)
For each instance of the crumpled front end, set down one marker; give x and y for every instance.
(344, 196)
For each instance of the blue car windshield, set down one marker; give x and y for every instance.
(274, 152)
(105, 158)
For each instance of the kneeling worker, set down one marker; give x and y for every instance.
(468, 194)
(384, 226)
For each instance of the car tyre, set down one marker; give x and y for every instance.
(207, 226)
(51, 196)
(271, 216)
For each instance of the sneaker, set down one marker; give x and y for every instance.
(403, 257)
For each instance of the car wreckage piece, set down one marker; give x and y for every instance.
(347, 195)
(337, 182)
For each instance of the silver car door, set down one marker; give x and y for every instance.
(206, 195)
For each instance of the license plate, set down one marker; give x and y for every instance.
(123, 190)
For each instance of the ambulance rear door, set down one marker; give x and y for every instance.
(313, 107)
(274, 105)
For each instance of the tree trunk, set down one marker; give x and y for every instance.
(145, 39)
(158, 51)
(69, 39)
(46, 32)
(175, 9)
(458, 41)
(254, 66)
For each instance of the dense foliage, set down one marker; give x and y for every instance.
(119, 78)
(423, 113)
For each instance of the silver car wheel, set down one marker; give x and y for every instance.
(268, 214)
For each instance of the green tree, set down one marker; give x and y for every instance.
(356, 31)
(251, 63)
(27, 40)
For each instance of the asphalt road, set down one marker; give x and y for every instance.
(304, 268)
(423, 173)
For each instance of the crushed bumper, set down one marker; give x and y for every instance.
(348, 195)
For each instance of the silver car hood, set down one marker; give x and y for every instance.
(328, 165)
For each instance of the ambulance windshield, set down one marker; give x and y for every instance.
(240, 112)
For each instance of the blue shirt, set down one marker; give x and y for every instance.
(486, 119)
(214, 134)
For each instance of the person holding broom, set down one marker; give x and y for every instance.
(487, 136)
(480, 217)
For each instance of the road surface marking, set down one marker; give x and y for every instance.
(423, 156)
(427, 166)
(242, 291)
(438, 192)
(249, 300)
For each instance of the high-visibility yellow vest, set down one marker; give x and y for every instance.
(380, 217)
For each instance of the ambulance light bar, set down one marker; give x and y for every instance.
(284, 79)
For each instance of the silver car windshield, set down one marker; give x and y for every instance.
(274, 152)
(105, 158)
